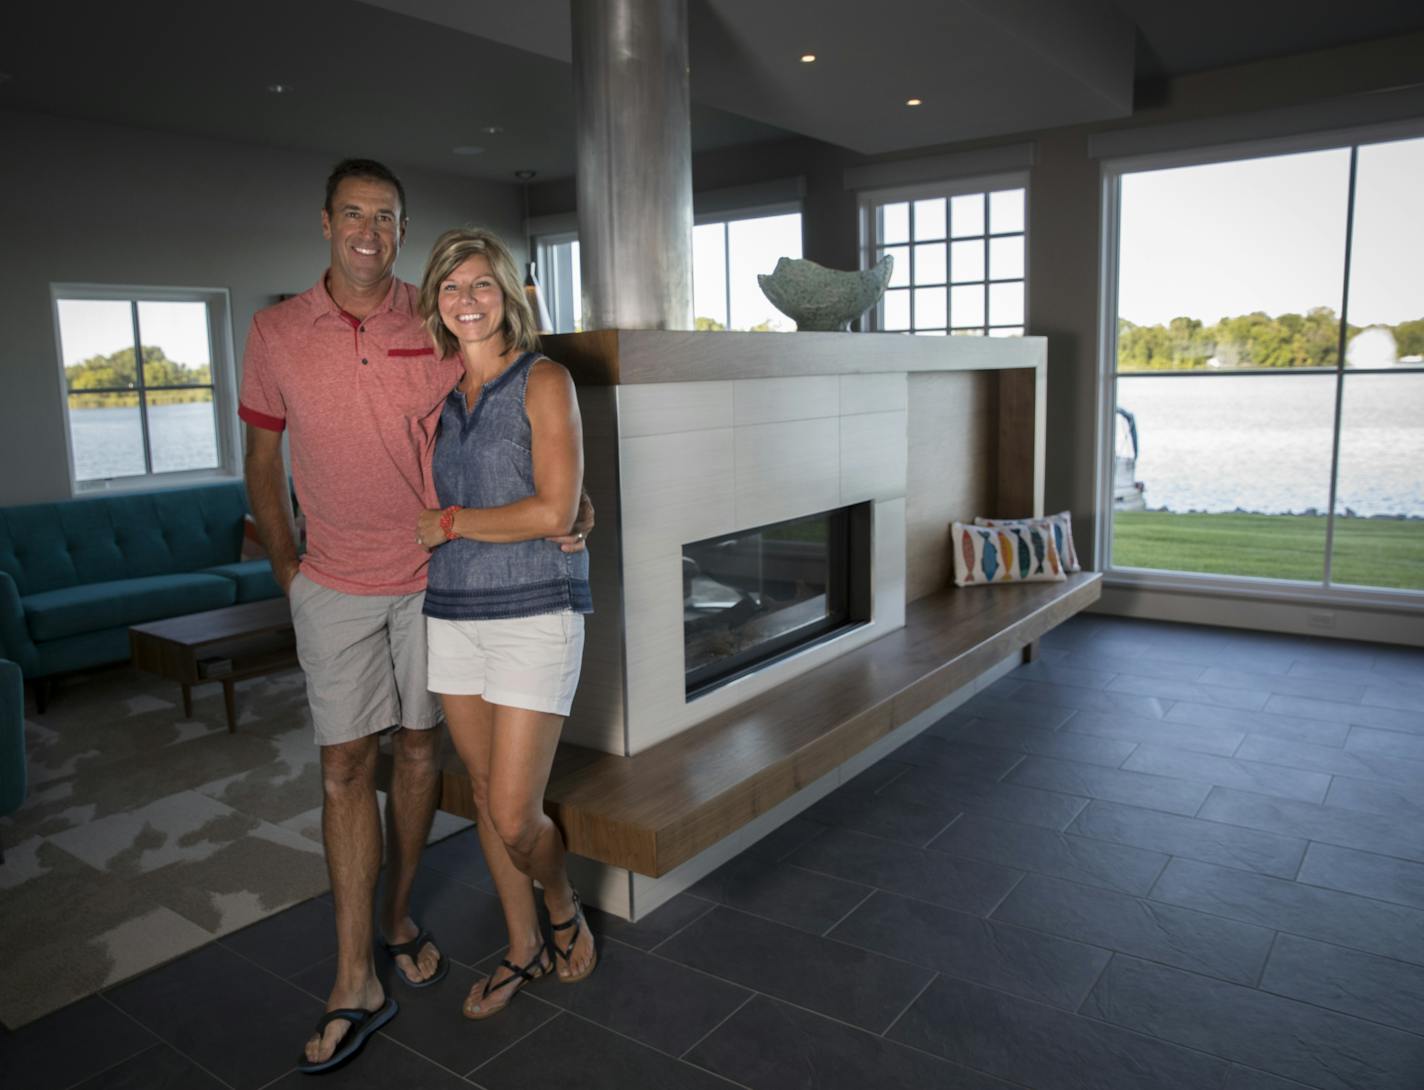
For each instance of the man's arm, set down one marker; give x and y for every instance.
(271, 501)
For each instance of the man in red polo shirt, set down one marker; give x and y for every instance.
(348, 372)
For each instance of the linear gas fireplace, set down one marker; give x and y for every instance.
(754, 597)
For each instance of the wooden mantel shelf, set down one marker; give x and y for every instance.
(650, 812)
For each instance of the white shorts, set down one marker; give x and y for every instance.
(524, 662)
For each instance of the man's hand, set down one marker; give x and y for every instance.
(427, 529)
(285, 574)
(583, 526)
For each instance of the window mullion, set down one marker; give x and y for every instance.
(142, 393)
(1340, 367)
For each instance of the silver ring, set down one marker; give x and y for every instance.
(579, 535)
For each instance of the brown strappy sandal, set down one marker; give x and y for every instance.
(522, 973)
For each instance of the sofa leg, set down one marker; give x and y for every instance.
(1030, 652)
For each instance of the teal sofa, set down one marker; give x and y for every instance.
(75, 574)
(12, 741)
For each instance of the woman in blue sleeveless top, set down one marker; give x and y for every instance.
(505, 606)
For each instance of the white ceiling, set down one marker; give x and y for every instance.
(409, 80)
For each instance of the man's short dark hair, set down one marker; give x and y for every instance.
(363, 168)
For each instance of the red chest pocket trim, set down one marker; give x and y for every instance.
(411, 352)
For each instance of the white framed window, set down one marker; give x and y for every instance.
(960, 256)
(1262, 371)
(729, 249)
(148, 385)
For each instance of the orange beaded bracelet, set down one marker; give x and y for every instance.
(447, 522)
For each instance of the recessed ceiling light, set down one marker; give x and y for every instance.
(914, 101)
(468, 149)
(807, 58)
(279, 88)
(491, 130)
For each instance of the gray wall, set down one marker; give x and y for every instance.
(104, 204)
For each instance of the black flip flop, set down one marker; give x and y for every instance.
(363, 1024)
(412, 950)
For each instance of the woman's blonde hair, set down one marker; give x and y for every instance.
(453, 249)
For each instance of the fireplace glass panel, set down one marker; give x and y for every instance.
(757, 595)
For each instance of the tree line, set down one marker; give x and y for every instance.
(1249, 340)
(116, 372)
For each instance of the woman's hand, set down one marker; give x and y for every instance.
(428, 531)
(574, 540)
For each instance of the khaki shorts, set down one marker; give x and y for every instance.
(364, 657)
(523, 662)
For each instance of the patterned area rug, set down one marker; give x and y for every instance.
(147, 835)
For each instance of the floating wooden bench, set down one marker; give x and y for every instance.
(650, 812)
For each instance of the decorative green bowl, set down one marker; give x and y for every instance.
(818, 298)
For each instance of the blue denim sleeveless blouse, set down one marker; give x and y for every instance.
(482, 459)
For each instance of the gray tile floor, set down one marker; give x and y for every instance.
(1162, 857)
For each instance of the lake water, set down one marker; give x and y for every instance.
(1220, 442)
(109, 442)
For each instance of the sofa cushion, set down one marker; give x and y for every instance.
(253, 578)
(71, 610)
(46, 546)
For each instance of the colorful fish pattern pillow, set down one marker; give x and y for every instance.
(1062, 526)
(1004, 554)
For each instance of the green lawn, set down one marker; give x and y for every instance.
(1368, 552)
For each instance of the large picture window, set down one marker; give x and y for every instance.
(959, 253)
(1267, 380)
(147, 385)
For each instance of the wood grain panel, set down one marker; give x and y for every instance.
(1017, 489)
(950, 472)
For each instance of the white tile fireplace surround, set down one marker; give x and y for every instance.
(689, 436)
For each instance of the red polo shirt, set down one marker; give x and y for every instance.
(360, 401)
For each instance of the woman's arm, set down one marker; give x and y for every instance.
(556, 439)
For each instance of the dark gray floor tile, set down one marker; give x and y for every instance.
(1362, 715)
(1290, 685)
(1085, 677)
(1090, 700)
(1347, 828)
(290, 941)
(160, 1068)
(1198, 738)
(669, 917)
(785, 839)
(1039, 1046)
(1065, 745)
(1176, 936)
(43, 1055)
(1381, 877)
(1292, 727)
(1365, 985)
(1245, 1078)
(800, 898)
(1404, 803)
(882, 772)
(1192, 838)
(1399, 697)
(1331, 916)
(1362, 765)
(1169, 689)
(833, 978)
(1299, 1041)
(772, 1046)
(1012, 959)
(1389, 743)
(956, 757)
(467, 922)
(206, 1004)
(381, 1066)
(570, 1053)
(1011, 802)
(969, 886)
(1123, 645)
(461, 857)
(1265, 779)
(1045, 851)
(910, 819)
(1134, 665)
(648, 998)
(1134, 788)
(984, 706)
(1403, 670)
